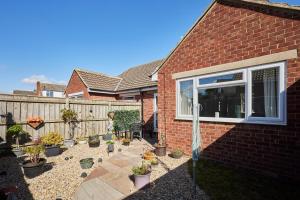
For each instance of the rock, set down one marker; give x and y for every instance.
(83, 174)
(119, 150)
(100, 160)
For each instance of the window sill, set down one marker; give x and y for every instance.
(233, 120)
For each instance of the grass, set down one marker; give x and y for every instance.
(222, 183)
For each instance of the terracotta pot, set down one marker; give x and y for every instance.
(160, 150)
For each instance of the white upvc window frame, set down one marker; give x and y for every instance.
(178, 109)
(247, 82)
(281, 99)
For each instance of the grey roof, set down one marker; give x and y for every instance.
(53, 87)
(138, 77)
(24, 92)
(98, 81)
(133, 78)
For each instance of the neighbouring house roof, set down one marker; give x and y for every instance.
(24, 92)
(133, 78)
(52, 87)
(262, 3)
(98, 81)
(138, 77)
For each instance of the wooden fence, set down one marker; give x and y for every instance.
(92, 114)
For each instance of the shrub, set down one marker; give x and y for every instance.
(141, 170)
(124, 118)
(15, 131)
(52, 139)
(69, 116)
(110, 142)
(177, 153)
(34, 152)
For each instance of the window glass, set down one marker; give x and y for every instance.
(222, 78)
(49, 93)
(227, 102)
(186, 97)
(265, 92)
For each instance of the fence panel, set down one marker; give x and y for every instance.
(92, 114)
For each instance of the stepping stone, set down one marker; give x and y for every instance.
(97, 189)
(119, 162)
(99, 171)
(119, 181)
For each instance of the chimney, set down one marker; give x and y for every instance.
(38, 88)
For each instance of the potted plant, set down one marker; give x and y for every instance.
(108, 136)
(161, 147)
(154, 163)
(70, 117)
(16, 131)
(82, 140)
(126, 142)
(51, 141)
(177, 153)
(141, 175)
(86, 163)
(34, 166)
(110, 146)
(94, 141)
(148, 155)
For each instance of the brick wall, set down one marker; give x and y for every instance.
(231, 33)
(76, 85)
(148, 110)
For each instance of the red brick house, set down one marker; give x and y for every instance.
(135, 84)
(241, 63)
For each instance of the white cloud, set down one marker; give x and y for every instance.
(42, 78)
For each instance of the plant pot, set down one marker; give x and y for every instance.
(108, 136)
(149, 156)
(94, 144)
(69, 142)
(86, 163)
(160, 150)
(18, 152)
(94, 141)
(126, 143)
(110, 148)
(141, 180)
(32, 170)
(52, 150)
(176, 156)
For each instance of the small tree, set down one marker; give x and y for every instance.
(70, 117)
(34, 152)
(16, 131)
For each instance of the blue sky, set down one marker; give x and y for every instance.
(46, 40)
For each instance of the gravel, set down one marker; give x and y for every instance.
(169, 180)
(61, 177)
